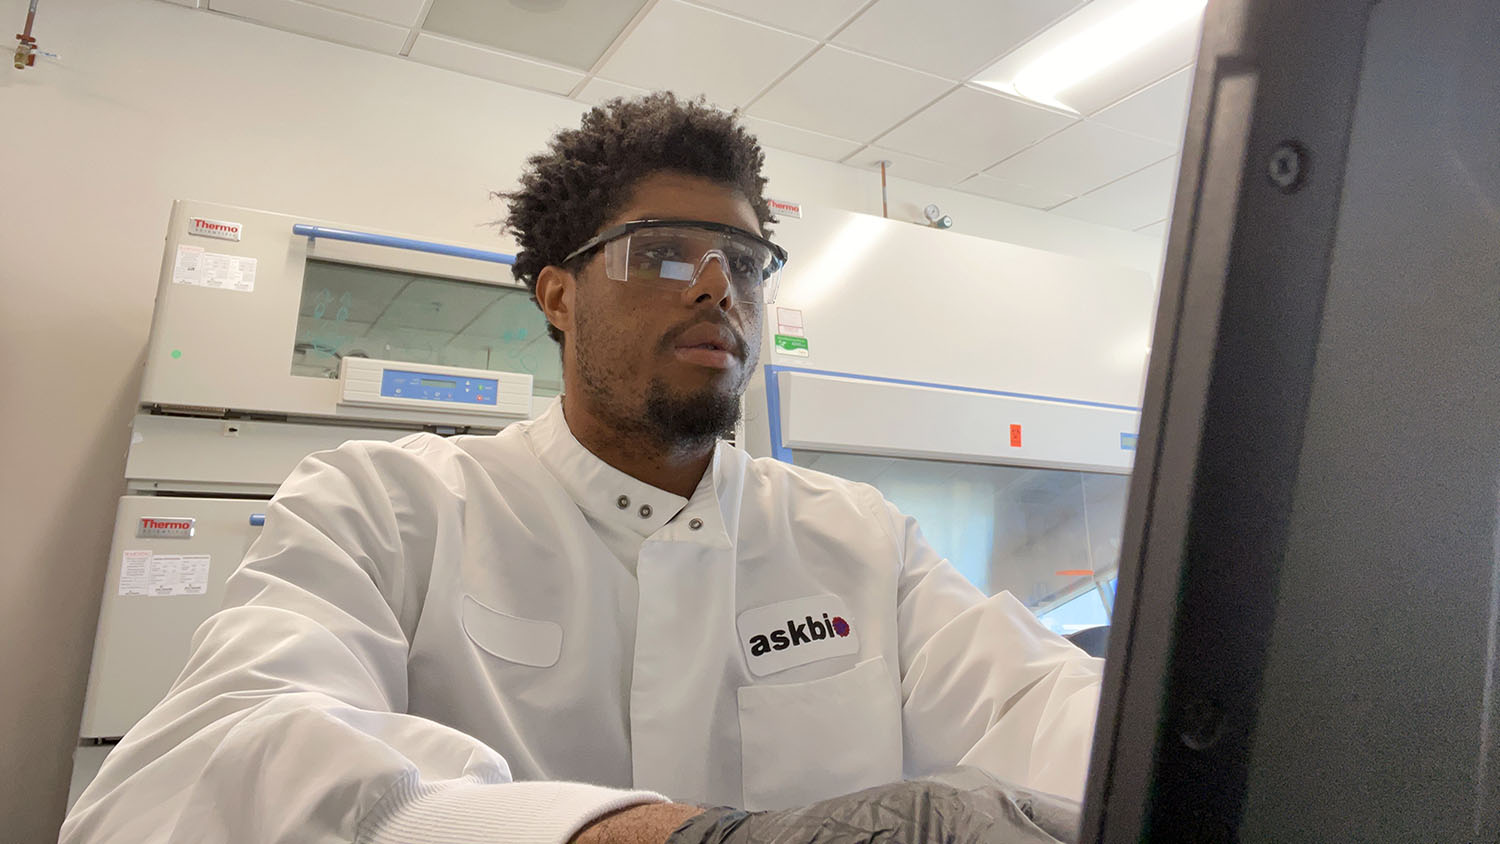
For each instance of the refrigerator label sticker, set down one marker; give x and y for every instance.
(201, 268)
(152, 575)
(179, 574)
(135, 573)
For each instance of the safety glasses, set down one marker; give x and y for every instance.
(672, 253)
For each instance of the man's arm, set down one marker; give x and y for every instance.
(984, 683)
(961, 806)
(288, 722)
(653, 823)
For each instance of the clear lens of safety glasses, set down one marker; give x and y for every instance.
(674, 257)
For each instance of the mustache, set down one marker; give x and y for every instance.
(669, 340)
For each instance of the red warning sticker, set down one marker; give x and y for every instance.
(1015, 436)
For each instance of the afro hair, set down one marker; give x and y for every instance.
(586, 174)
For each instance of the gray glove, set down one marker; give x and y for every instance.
(962, 806)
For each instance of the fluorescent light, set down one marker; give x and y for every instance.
(1102, 35)
(1101, 46)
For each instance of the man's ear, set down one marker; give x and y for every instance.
(554, 292)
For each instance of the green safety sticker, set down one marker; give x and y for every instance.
(786, 344)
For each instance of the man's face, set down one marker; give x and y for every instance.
(669, 365)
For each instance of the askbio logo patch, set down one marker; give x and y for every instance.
(796, 632)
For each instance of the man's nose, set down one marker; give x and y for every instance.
(712, 283)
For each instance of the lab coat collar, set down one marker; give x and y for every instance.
(604, 492)
(713, 507)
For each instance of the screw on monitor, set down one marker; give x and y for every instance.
(1287, 168)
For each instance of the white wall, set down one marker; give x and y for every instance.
(812, 181)
(154, 102)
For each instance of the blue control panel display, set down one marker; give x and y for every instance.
(432, 387)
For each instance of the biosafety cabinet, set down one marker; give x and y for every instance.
(273, 337)
(988, 389)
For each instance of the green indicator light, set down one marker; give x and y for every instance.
(176, 353)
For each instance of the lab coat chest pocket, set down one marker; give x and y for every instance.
(803, 742)
(512, 638)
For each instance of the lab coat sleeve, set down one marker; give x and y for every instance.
(983, 682)
(288, 723)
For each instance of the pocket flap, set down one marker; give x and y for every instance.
(512, 638)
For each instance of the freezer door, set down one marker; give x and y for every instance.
(142, 641)
(87, 760)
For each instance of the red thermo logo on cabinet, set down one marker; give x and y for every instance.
(222, 229)
(158, 527)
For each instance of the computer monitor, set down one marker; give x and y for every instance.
(1305, 633)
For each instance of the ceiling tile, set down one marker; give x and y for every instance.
(912, 168)
(1159, 112)
(319, 22)
(1157, 229)
(818, 18)
(974, 128)
(573, 33)
(694, 51)
(952, 38)
(492, 64)
(844, 94)
(792, 139)
(597, 90)
(403, 12)
(1080, 158)
(1013, 192)
(1134, 201)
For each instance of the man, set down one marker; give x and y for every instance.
(547, 634)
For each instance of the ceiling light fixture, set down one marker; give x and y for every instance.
(1087, 43)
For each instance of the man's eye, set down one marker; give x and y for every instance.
(745, 267)
(662, 252)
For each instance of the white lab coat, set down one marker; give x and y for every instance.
(431, 642)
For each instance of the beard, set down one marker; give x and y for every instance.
(694, 419)
(666, 418)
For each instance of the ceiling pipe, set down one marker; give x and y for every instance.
(884, 209)
(26, 50)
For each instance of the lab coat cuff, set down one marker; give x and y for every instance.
(505, 813)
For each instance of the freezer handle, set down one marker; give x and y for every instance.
(313, 232)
